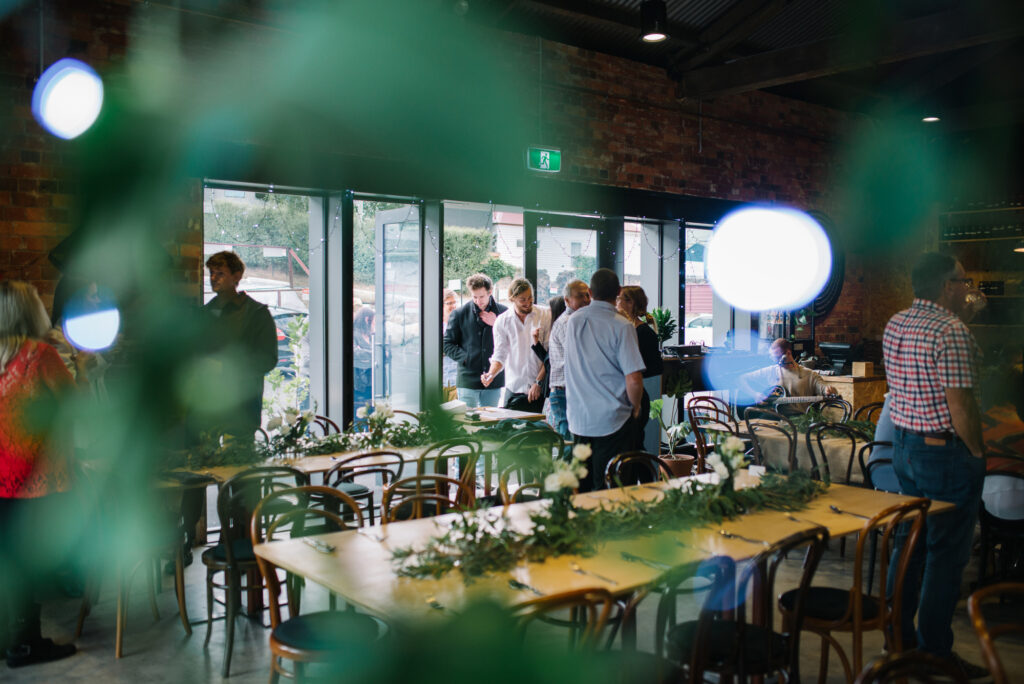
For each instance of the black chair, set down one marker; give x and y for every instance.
(529, 450)
(635, 467)
(835, 404)
(233, 555)
(730, 643)
(816, 434)
(385, 464)
(707, 417)
(869, 412)
(769, 420)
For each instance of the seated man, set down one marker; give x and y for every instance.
(786, 373)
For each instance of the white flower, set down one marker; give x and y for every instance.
(714, 460)
(581, 452)
(737, 461)
(383, 409)
(580, 471)
(308, 416)
(274, 423)
(290, 416)
(560, 479)
(519, 426)
(732, 445)
(361, 412)
(722, 471)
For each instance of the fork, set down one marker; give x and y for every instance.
(580, 571)
(730, 535)
(379, 538)
(322, 547)
(837, 509)
(633, 558)
(522, 586)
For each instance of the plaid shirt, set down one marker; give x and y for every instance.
(927, 349)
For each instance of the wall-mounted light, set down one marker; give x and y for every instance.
(653, 21)
(1019, 247)
(931, 119)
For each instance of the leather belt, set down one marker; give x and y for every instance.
(943, 434)
(554, 387)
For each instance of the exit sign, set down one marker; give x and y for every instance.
(544, 159)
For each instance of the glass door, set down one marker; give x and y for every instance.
(386, 303)
(566, 247)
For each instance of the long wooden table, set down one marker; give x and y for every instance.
(361, 571)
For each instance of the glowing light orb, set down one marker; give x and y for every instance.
(767, 258)
(91, 319)
(67, 99)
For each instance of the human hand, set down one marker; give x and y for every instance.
(533, 394)
(536, 335)
(831, 391)
(486, 379)
(488, 317)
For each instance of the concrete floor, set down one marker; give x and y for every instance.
(159, 651)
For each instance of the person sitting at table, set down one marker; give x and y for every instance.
(513, 352)
(786, 373)
(34, 469)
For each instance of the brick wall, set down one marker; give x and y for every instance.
(618, 123)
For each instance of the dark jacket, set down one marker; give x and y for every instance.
(470, 342)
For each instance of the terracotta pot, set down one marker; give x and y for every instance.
(681, 465)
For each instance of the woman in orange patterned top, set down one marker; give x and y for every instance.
(33, 470)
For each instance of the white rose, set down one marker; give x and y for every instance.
(361, 412)
(567, 479)
(581, 472)
(384, 409)
(308, 416)
(737, 461)
(733, 444)
(714, 460)
(581, 452)
(274, 423)
(722, 471)
(552, 483)
(291, 416)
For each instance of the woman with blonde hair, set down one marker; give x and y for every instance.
(632, 303)
(33, 473)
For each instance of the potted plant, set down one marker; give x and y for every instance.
(680, 464)
(665, 325)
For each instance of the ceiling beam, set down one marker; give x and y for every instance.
(977, 24)
(924, 79)
(613, 17)
(727, 30)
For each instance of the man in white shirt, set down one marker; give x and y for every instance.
(577, 296)
(513, 353)
(604, 383)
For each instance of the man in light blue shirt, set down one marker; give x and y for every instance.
(604, 383)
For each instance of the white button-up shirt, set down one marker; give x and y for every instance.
(600, 351)
(556, 349)
(513, 340)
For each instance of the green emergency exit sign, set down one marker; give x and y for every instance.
(544, 159)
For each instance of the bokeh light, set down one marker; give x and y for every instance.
(763, 258)
(67, 98)
(91, 319)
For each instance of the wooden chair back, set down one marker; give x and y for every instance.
(386, 463)
(707, 402)
(707, 417)
(529, 450)
(526, 481)
(834, 405)
(988, 630)
(635, 467)
(444, 493)
(870, 412)
(718, 575)
(869, 468)
(266, 515)
(769, 420)
(816, 434)
(592, 606)
(403, 416)
(239, 496)
(912, 666)
(260, 435)
(326, 426)
(465, 452)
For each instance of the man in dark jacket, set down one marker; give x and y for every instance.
(243, 339)
(469, 341)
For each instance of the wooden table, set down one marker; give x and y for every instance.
(361, 571)
(859, 391)
(489, 415)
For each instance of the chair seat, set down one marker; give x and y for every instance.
(328, 631)
(353, 489)
(241, 548)
(828, 604)
(721, 654)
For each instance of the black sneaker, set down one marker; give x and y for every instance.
(970, 671)
(41, 651)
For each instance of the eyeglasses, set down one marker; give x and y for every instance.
(966, 281)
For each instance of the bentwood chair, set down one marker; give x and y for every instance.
(320, 637)
(422, 496)
(233, 555)
(761, 421)
(869, 412)
(529, 450)
(830, 406)
(326, 426)
(1002, 523)
(526, 482)
(993, 621)
(815, 437)
(831, 609)
(707, 418)
(464, 452)
(724, 639)
(879, 474)
(635, 467)
(912, 666)
(384, 464)
(283, 501)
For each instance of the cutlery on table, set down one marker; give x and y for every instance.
(436, 605)
(802, 522)
(522, 586)
(837, 509)
(731, 535)
(379, 538)
(633, 558)
(580, 571)
(681, 543)
(322, 547)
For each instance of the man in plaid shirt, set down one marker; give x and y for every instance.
(931, 367)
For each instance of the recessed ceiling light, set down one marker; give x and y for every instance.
(931, 119)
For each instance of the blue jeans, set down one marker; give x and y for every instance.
(559, 421)
(942, 473)
(475, 398)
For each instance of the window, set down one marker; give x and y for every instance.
(482, 238)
